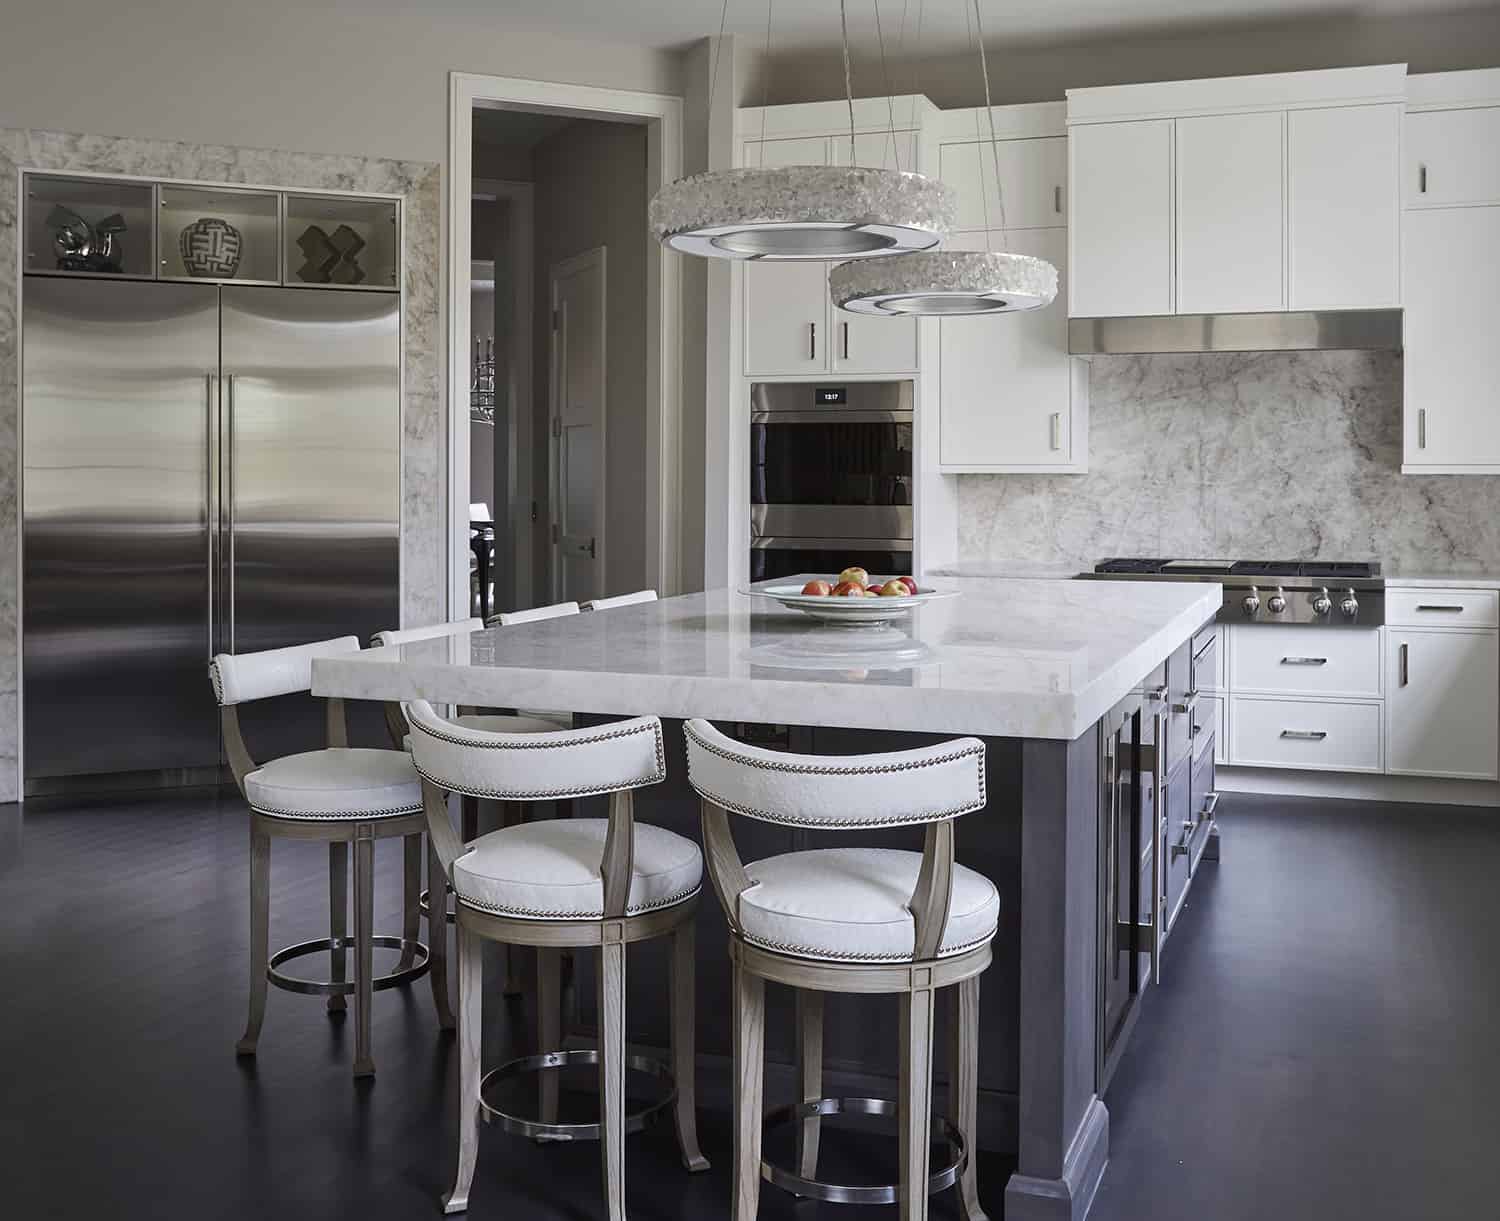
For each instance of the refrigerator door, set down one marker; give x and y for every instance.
(311, 477)
(121, 383)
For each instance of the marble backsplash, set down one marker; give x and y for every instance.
(423, 464)
(1266, 455)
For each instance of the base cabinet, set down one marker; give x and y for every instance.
(1441, 695)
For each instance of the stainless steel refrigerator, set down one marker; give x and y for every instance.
(206, 468)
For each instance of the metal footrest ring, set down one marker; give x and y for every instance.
(329, 987)
(635, 1121)
(840, 1193)
(425, 904)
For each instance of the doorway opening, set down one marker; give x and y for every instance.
(564, 336)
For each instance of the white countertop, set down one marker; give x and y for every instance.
(1008, 658)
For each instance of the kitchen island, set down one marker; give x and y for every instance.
(1032, 667)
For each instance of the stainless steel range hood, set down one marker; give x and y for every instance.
(1314, 331)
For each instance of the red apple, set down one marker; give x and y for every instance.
(856, 576)
(910, 583)
(895, 588)
(818, 588)
(848, 589)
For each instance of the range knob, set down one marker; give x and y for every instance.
(1251, 604)
(1322, 603)
(1350, 604)
(1277, 602)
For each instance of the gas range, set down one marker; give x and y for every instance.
(1317, 593)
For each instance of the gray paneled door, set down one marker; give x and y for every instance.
(120, 407)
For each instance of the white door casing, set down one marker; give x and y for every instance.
(578, 388)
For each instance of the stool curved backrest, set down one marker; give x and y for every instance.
(930, 787)
(616, 759)
(242, 678)
(640, 595)
(534, 615)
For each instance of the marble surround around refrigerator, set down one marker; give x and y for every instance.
(422, 456)
(1274, 456)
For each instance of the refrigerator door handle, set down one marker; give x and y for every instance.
(210, 499)
(229, 512)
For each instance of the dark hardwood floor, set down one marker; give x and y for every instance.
(1324, 1044)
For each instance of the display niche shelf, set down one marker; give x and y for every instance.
(211, 233)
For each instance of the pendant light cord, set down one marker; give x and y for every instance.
(885, 73)
(989, 111)
(713, 64)
(765, 80)
(848, 73)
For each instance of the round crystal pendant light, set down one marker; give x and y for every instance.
(802, 212)
(945, 282)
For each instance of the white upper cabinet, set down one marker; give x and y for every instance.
(1012, 399)
(774, 154)
(1452, 157)
(786, 318)
(1452, 361)
(1033, 176)
(880, 150)
(1120, 220)
(862, 343)
(1344, 207)
(1229, 213)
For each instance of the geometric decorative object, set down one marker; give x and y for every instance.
(803, 212)
(210, 246)
(80, 246)
(348, 244)
(319, 255)
(944, 282)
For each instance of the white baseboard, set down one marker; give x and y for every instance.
(1416, 789)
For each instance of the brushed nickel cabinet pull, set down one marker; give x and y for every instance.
(1056, 426)
(1057, 200)
(1304, 661)
(812, 341)
(1421, 428)
(846, 340)
(1405, 663)
(1422, 180)
(1304, 735)
(1440, 608)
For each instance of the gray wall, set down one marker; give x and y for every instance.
(591, 191)
(344, 76)
(1039, 71)
(1275, 456)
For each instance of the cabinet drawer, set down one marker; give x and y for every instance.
(1306, 661)
(1442, 607)
(1306, 734)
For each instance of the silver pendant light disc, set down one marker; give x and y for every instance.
(944, 282)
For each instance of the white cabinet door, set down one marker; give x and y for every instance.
(786, 317)
(1033, 176)
(1443, 703)
(862, 343)
(1344, 208)
(1229, 214)
(1452, 158)
(880, 150)
(809, 150)
(1120, 218)
(1452, 360)
(1011, 396)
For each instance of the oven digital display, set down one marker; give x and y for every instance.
(828, 396)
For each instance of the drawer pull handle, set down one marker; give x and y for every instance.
(1304, 735)
(1440, 609)
(1189, 703)
(1304, 661)
(1210, 804)
(1405, 664)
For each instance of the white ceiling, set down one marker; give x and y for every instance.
(802, 24)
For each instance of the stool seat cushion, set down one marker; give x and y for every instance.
(525, 723)
(850, 905)
(549, 870)
(340, 782)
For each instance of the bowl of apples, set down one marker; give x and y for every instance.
(853, 598)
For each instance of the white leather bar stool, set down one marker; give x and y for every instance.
(337, 795)
(865, 920)
(635, 599)
(535, 615)
(564, 883)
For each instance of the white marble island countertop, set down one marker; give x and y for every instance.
(1008, 658)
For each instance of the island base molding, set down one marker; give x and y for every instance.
(1069, 1198)
(1353, 786)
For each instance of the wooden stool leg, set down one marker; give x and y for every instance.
(809, 1077)
(549, 1022)
(749, 1076)
(470, 1035)
(684, 1018)
(364, 959)
(513, 814)
(612, 1073)
(338, 917)
(260, 939)
(915, 1103)
(437, 939)
(411, 897)
(963, 1090)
